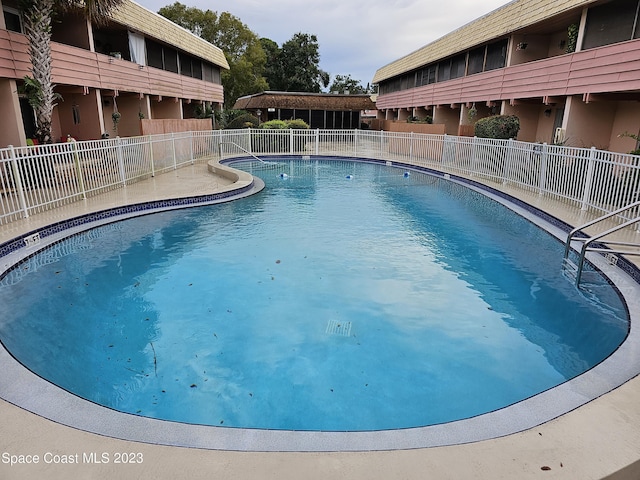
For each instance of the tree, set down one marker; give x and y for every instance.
(241, 47)
(346, 84)
(273, 68)
(300, 59)
(37, 16)
(295, 66)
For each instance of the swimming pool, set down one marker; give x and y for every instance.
(408, 237)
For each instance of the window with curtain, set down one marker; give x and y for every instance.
(137, 48)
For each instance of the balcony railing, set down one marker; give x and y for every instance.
(611, 68)
(35, 179)
(77, 66)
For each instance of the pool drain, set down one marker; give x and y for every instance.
(335, 327)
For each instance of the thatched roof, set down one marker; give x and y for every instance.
(308, 101)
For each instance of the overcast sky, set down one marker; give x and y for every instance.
(355, 38)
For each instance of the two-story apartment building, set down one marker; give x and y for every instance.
(569, 69)
(140, 65)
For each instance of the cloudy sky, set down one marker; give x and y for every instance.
(355, 38)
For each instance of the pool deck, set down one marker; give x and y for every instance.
(600, 440)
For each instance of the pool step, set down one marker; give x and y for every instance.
(335, 327)
(570, 268)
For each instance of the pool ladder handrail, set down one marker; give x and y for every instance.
(577, 269)
(239, 147)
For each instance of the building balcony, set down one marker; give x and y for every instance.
(610, 71)
(78, 67)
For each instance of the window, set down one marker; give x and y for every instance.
(610, 23)
(170, 58)
(154, 55)
(458, 66)
(185, 65)
(12, 19)
(496, 55)
(196, 66)
(432, 74)
(210, 73)
(160, 56)
(190, 66)
(426, 76)
(476, 61)
(444, 71)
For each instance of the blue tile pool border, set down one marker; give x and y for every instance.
(113, 214)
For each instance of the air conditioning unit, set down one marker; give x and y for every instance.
(560, 136)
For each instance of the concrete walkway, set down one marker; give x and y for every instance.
(597, 441)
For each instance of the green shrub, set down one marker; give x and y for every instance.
(275, 125)
(498, 126)
(245, 120)
(414, 119)
(297, 123)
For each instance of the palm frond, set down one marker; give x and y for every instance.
(97, 11)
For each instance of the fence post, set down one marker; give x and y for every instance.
(291, 140)
(443, 160)
(153, 167)
(588, 181)
(17, 181)
(317, 141)
(123, 175)
(474, 156)
(355, 142)
(76, 163)
(411, 147)
(507, 163)
(191, 148)
(173, 150)
(542, 181)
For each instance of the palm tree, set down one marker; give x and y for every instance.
(37, 21)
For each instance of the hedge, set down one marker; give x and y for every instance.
(498, 126)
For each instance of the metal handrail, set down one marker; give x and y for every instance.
(238, 146)
(589, 240)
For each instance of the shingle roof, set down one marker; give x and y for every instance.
(310, 101)
(498, 23)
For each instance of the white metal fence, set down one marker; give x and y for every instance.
(33, 179)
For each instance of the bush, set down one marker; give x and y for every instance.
(285, 124)
(274, 125)
(297, 123)
(414, 119)
(246, 120)
(280, 142)
(498, 126)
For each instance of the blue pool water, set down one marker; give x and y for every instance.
(346, 296)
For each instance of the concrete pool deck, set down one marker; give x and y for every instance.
(598, 440)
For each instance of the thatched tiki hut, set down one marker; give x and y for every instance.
(319, 110)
